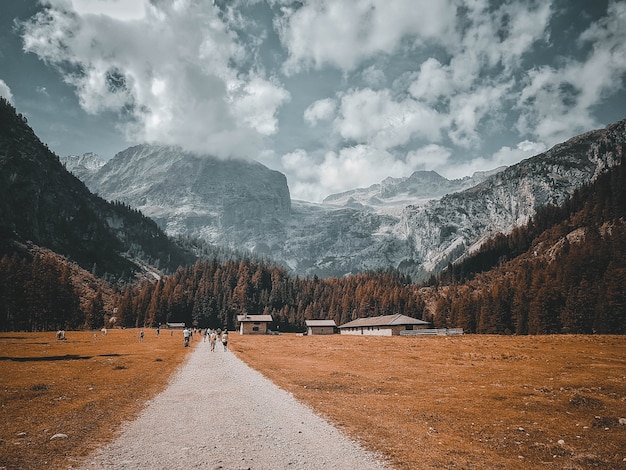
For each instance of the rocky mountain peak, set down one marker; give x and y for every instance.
(232, 202)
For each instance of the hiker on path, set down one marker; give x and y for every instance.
(212, 340)
(225, 340)
(186, 337)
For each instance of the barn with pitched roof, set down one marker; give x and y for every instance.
(386, 325)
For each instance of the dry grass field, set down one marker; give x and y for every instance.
(469, 402)
(81, 387)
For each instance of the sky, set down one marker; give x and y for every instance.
(335, 94)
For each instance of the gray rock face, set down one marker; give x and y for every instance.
(230, 202)
(379, 227)
(417, 224)
(394, 192)
(83, 166)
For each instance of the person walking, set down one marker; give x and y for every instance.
(212, 340)
(186, 335)
(225, 340)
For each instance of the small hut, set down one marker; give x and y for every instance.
(320, 327)
(254, 324)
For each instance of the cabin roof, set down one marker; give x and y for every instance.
(384, 320)
(320, 323)
(254, 318)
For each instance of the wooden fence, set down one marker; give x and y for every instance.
(433, 332)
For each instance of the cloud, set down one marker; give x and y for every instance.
(430, 157)
(342, 33)
(468, 110)
(374, 117)
(313, 177)
(321, 110)
(481, 74)
(433, 82)
(506, 156)
(118, 9)
(558, 102)
(172, 68)
(5, 91)
(373, 76)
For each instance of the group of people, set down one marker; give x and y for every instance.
(212, 335)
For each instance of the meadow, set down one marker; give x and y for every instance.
(84, 388)
(472, 401)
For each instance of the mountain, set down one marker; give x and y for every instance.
(393, 193)
(417, 224)
(564, 272)
(445, 230)
(233, 203)
(84, 165)
(41, 203)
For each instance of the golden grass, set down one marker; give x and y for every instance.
(468, 402)
(82, 387)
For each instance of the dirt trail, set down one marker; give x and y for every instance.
(217, 413)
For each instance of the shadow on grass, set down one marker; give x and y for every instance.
(67, 357)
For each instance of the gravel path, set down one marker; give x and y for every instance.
(218, 413)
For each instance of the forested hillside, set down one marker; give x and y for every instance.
(43, 204)
(212, 294)
(41, 290)
(564, 272)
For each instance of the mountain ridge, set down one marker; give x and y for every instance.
(417, 224)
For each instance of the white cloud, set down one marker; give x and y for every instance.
(374, 117)
(118, 9)
(506, 156)
(431, 157)
(313, 178)
(257, 102)
(433, 82)
(172, 69)
(558, 102)
(468, 110)
(321, 110)
(5, 91)
(373, 76)
(342, 33)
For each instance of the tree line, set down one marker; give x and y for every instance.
(212, 294)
